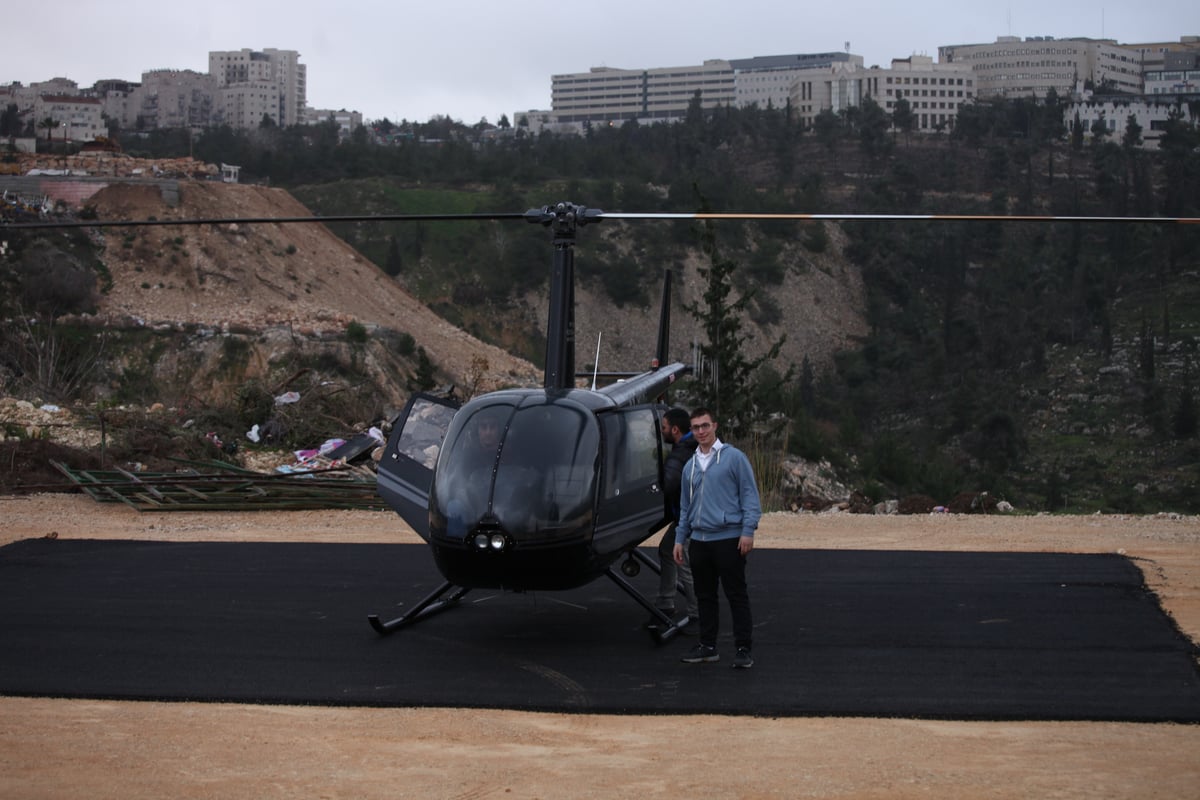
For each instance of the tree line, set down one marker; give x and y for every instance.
(968, 323)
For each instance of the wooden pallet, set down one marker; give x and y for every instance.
(230, 489)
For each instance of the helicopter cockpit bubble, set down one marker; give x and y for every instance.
(533, 476)
(467, 462)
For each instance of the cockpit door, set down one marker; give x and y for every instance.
(631, 505)
(406, 469)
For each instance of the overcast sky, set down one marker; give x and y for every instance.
(473, 60)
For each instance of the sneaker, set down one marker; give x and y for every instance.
(743, 659)
(701, 653)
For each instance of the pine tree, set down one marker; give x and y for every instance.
(394, 263)
(424, 377)
(1185, 418)
(727, 375)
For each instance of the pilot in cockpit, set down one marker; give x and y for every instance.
(487, 433)
(470, 473)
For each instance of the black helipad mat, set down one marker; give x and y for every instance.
(915, 634)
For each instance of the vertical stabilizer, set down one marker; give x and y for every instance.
(664, 324)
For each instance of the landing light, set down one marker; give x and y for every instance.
(489, 541)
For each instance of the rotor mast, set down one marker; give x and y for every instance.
(565, 219)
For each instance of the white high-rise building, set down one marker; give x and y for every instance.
(252, 84)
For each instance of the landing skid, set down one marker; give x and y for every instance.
(435, 602)
(431, 605)
(668, 628)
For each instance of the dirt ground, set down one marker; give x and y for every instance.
(131, 750)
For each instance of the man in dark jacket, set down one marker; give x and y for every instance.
(676, 431)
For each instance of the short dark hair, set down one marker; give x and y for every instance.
(702, 412)
(678, 418)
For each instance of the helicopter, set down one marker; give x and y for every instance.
(546, 489)
(537, 489)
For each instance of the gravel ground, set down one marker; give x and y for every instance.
(71, 748)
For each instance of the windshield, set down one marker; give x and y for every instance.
(532, 469)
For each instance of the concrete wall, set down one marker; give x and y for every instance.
(75, 191)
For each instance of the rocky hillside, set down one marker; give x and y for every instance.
(819, 310)
(255, 277)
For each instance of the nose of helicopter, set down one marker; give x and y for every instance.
(489, 537)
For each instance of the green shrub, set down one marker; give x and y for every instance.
(356, 332)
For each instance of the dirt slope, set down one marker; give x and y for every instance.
(254, 276)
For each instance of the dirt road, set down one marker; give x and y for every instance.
(128, 750)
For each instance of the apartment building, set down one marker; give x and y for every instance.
(79, 119)
(1031, 67)
(117, 100)
(254, 83)
(173, 98)
(247, 105)
(26, 97)
(346, 121)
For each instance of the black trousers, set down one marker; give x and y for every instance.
(720, 564)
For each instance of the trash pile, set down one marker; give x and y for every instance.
(338, 473)
(15, 208)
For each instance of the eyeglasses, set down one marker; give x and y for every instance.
(702, 426)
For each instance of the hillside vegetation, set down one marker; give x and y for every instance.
(1052, 364)
(1049, 363)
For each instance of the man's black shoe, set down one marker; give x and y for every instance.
(700, 654)
(743, 659)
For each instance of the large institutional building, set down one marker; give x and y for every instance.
(1030, 67)
(806, 83)
(607, 95)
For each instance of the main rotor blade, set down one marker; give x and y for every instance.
(601, 215)
(766, 217)
(99, 223)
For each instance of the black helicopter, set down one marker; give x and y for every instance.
(537, 489)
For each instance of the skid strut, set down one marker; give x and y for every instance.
(654, 565)
(670, 627)
(426, 608)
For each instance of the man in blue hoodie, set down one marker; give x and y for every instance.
(719, 511)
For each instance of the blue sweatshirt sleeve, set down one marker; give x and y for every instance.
(748, 489)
